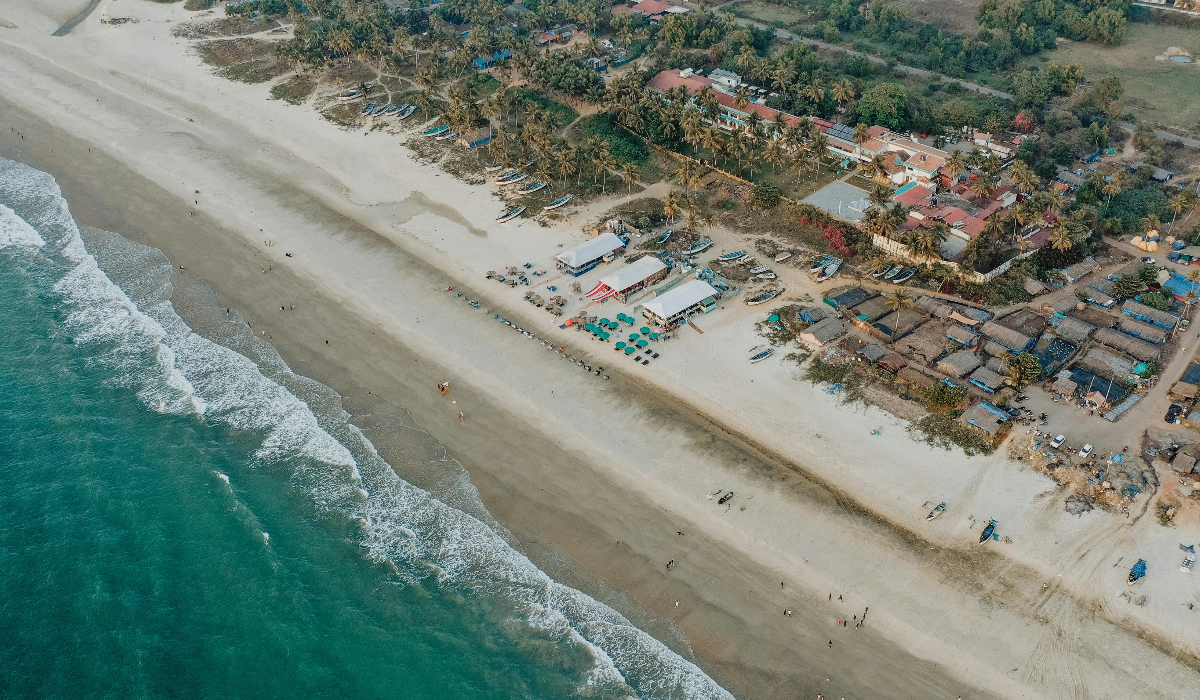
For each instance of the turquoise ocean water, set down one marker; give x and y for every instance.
(182, 516)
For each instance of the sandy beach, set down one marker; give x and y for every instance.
(595, 479)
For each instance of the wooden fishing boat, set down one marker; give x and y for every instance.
(783, 256)
(558, 202)
(941, 508)
(987, 532)
(763, 297)
(730, 257)
(435, 131)
(820, 265)
(699, 247)
(760, 353)
(905, 276)
(350, 96)
(405, 112)
(510, 214)
(512, 180)
(369, 108)
(830, 270)
(531, 188)
(760, 268)
(768, 275)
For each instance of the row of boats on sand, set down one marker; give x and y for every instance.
(511, 177)
(825, 268)
(386, 110)
(897, 274)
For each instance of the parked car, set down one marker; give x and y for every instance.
(1149, 261)
(1058, 441)
(1087, 450)
(1183, 325)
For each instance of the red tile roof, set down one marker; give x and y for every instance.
(913, 196)
(650, 8)
(669, 79)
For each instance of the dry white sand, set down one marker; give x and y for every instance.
(632, 459)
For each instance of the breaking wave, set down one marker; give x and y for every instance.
(133, 329)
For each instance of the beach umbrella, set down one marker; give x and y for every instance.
(620, 317)
(642, 343)
(604, 336)
(614, 326)
(590, 327)
(629, 349)
(634, 336)
(604, 321)
(653, 336)
(620, 344)
(773, 318)
(644, 330)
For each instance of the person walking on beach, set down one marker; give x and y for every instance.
(670, 564)
(460, 417)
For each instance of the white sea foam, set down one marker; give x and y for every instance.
(223, 477)
(329, 458)
(15, 232)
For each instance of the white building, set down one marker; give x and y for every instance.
(585, 256)
(675, 306)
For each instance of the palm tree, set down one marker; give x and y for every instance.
(630, 174)
(899, 301)
(1019, 216)
(982, 187)
(742, 98)
(876, 167)
(672, 204)
(815, 91)
(862, 133)
(819, 144)
(931, 239)
(1060, 239)
(956, 162)
(1023, 177)
(565, 160)
(1111, 189)
(1178, 203)
(776, 154)
(688, 174)
(880, 194)
(843, 91)
(604, 162)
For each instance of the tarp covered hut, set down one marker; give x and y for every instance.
(1017, 342)
(958, 364)
(961, 334)
(873, 352)
(893, 362)
(823, 332)
(1106, 363)
(987, 380)
(1145, 313)
(1140, 349)
(1146, 331)
(1074, 329)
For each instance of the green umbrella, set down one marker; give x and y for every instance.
(643, 329)
(604, 321)
(620, 344)
(653, 336)
(629, 350)
(634, 336)
(590, 327)
(614, 326)
(773, 318)
(642, 343)
(604, 336)
(620, 317)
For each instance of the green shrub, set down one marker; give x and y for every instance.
(626, 147)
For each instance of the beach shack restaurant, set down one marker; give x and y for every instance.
(630, 279)
(673, 308)
(587, 255)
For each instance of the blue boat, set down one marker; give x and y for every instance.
(436, 130)
(987, 531)
(1138, 572)
(369, 108)
(699, 247)
(663, 239)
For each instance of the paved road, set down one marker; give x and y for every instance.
(875, 59)
(1164, 135)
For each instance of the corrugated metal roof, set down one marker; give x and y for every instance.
(1006, 336)
(680, 298)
